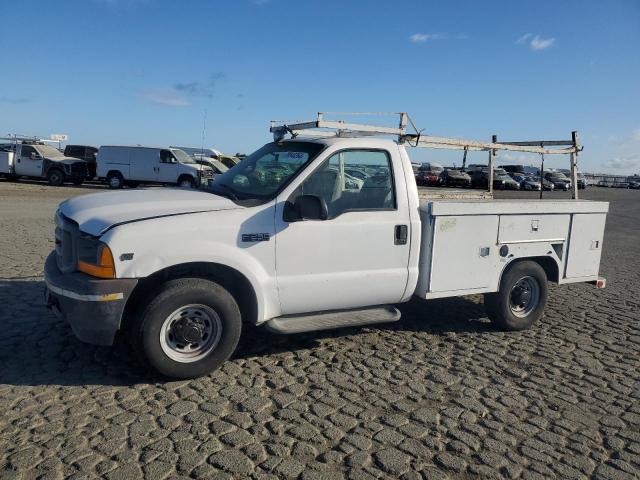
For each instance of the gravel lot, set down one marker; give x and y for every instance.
(440, 394)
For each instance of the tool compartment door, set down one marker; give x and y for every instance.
(464, 252)
(585, 245)
(533, 228)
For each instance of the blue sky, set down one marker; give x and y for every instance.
(144, 71)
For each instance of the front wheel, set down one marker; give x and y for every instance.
(55, 177)
(115, 180)
(189, 329)
(521, 299)
(186, 182)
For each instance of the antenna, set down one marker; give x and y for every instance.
(204, 131)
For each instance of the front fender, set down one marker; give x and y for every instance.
(160, 243)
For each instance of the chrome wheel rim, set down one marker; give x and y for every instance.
(524, 296)
(186, 184)
(114, 182)
(190, 333)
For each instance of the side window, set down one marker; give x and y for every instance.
(353, 180)
(27, 151)
(167, 157)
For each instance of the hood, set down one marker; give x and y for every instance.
(95, 213)
(66, 160)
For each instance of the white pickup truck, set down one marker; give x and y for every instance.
(37, 160)
(304, 234)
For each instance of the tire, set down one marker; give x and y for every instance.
(115, 180)
(55, 177)
(186, 182)
(505, 307)
(212, 320)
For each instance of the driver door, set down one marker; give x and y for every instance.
(354, 258)
(30, 162)
(167, 168)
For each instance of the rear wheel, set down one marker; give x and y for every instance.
(55, 177)
(115, 180)
(189, 329)
(521, 299)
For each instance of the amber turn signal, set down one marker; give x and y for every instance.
(105, 267)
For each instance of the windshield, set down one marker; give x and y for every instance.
(47, 151)
(181, 156)
(265, 172)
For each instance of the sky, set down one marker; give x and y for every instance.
(154, 72)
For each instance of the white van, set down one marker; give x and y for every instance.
(133, 165)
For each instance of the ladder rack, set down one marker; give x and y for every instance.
(324, 128)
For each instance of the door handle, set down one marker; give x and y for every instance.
(400, 237)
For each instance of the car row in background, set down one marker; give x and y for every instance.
(507, 177)
(118, 166)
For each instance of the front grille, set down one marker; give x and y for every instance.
(79, 168)
(66, 238)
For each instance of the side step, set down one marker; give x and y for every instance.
(309, 322)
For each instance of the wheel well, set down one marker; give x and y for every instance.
(186, 175)
(114, 172)
(232, 280)
(548, 264)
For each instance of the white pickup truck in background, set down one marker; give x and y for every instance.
(34, 159)
(287, 239)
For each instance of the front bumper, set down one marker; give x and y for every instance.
(92, 306)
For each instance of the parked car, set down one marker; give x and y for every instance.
(216, 166)
(202, 152)
(121, 165)
(480, 179)
(429, 174)
(452, 177)
(582, 181)
(86, 153)
(621, 185)
(634, 185)
(526, 182)
(560, 180)
(509, 183)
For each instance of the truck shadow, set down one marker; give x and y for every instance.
(37, 348)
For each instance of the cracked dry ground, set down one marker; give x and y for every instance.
(439, 394)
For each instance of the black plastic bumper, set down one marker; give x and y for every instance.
(92, 306)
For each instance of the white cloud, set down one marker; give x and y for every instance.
(635, 135)
(425, 37)
(623, 163)
(165, 96)
(535, 42)
(539, 43)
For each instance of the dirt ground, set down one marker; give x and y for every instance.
(440, 394)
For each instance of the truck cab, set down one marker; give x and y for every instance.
(289, 240)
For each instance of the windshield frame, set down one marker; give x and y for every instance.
(178, 156)
(255, 198)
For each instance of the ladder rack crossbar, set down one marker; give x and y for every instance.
(320, 127)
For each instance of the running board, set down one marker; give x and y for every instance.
(309, 322)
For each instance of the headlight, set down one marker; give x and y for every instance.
(95, 258)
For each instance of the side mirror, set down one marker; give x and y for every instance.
(306, 207)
